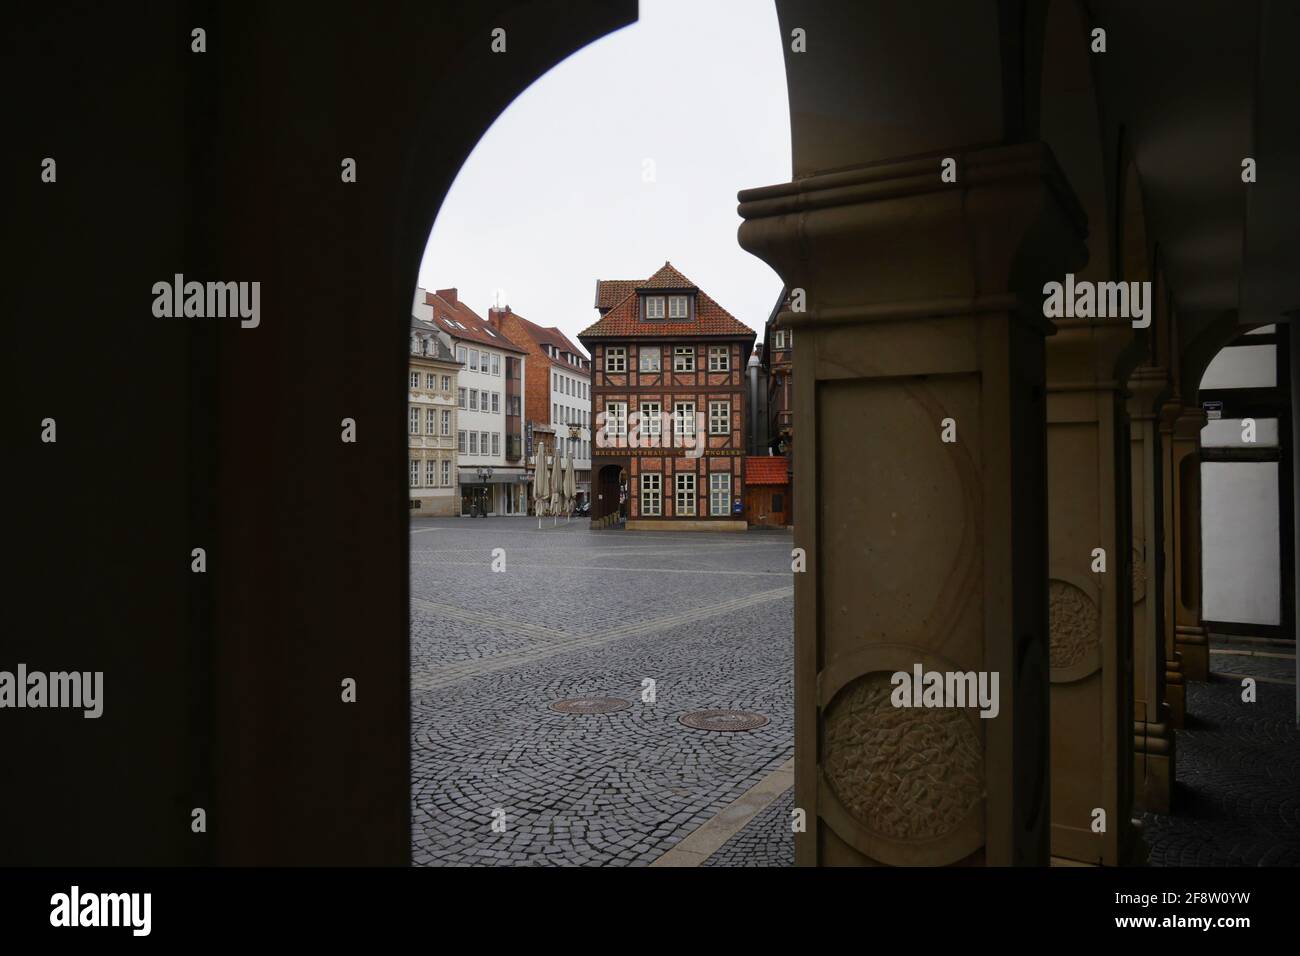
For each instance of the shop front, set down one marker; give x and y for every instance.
(489, 492)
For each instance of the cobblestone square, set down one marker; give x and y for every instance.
(583, 614)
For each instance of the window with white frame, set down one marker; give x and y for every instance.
(684, 358)
(483, 443)
(496, 364)
(415, 421)
(460, 397)
(415, 472)
(460, 441)
(483, 362)
(496, 443)
(778, 339)
(415, 380)
(460, 354)
(496, 401)
(649, 358)
(684, 418)
(431, 381)
(473, 399)
(719, 418)
(652, 492)
(430, 421)
(654, 307)
(555, 380)
(446, 383)
(446, 473)
(685, 494)
(719, 358)
(473, 359)
(431, 473)
(720, 494)
(677, 308)
(446, 421)
(651, 419)
(616, 418)
(473, 443)
(616, 359)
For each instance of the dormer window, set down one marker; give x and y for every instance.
(654, 307)
(677, 308)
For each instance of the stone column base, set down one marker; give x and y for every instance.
(1153, 764)
(1194, 648)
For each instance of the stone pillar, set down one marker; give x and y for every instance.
(1089, 592)
(1189, 635)
(924, 316)
(1153, 737)
(1175, 687)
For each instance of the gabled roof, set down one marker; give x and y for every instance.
(461, 322)
(667, 278)
(767, 470)
(623, 320)
(548, 336)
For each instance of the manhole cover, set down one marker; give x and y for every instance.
(723, 720)
(590, 705)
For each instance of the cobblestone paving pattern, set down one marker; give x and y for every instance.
(580, 613)
(1237, 795)
(766, 840)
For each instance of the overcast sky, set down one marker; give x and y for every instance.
(554, 195)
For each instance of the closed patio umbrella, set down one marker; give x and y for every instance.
(540, 490)
(555, 484)
(570, 485)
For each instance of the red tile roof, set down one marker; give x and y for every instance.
(610, 292)
(767, 470)
(623, 320)
(447, 306)
(543, 336)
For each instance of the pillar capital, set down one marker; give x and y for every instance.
(892, 240)
(1148, 386)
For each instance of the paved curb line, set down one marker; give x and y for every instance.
(705, 841)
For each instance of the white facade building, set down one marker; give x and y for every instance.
(570, 400)
(492, 472)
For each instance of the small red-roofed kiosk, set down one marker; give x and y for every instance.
(767, 491)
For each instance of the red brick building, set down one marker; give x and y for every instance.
(668, 400)
(557, 394)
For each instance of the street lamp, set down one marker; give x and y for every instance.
(484, 475)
